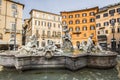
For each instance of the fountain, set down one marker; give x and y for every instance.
(32, 57)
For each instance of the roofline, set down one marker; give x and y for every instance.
(44, 12)
(105, 8)
(16, 3)
(80, 10)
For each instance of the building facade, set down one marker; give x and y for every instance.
(104, 19)
(81, 24)
(46, 26)
(11, 18)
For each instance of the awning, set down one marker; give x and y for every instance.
(3, 42)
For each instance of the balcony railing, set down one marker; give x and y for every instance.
(76, 32)
(12, 31)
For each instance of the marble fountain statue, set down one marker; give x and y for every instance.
(31, 56)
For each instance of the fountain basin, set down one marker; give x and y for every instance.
(72, 62)
(102, 61)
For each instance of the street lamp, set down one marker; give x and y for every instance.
(113, 40)
(15, 29)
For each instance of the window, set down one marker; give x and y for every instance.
(84, 21)
(92, 20)
(92, 27)
(118, 20)
(106, 31)
(118, 10)
(13, 26)
(63, 17)
(48, 34)
(54, 18)
(43, 33)
(59, 34)
(98, 32)
(64, 22)
(54, 25)
(58, 25)
(106, 23)
(92, 13)
(112, 21)
(70, 22)
(14, 13)
(49, 24)
(14, 6)
(70, 16)
(1, 36)
(0, 2)
(59, 18)
(98, 25)
(77, 21)
(77, 15)
(84, 28)
(39, 23)
(113, 30)
(70, 29)
(105, 15)
(111, 12)
(98, 16)
(77, 29)
(118, 30)
(84, 14)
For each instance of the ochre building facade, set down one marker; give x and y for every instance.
(10, 17)
(81, 24)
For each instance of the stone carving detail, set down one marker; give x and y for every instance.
(67, 44)
(30, 47)
(50, 50)
(89, 46)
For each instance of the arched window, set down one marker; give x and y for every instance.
(92, 20)
(84, 28)
(77, 21)
(70, 22)
(64, 22)
(77, 29)
(70, 29)
(92, 27)
(84, 21)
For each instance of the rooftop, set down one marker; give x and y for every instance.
(108, 6)
(16, 2)
(81, 10)
(44, 12)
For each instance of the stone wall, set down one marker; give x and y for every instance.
(69, 62)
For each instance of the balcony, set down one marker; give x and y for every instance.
(12, 31)
(76, 32)
(103, 27)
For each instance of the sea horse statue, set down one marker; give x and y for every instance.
(67, 44)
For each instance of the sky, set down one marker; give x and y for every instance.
(56, 6)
